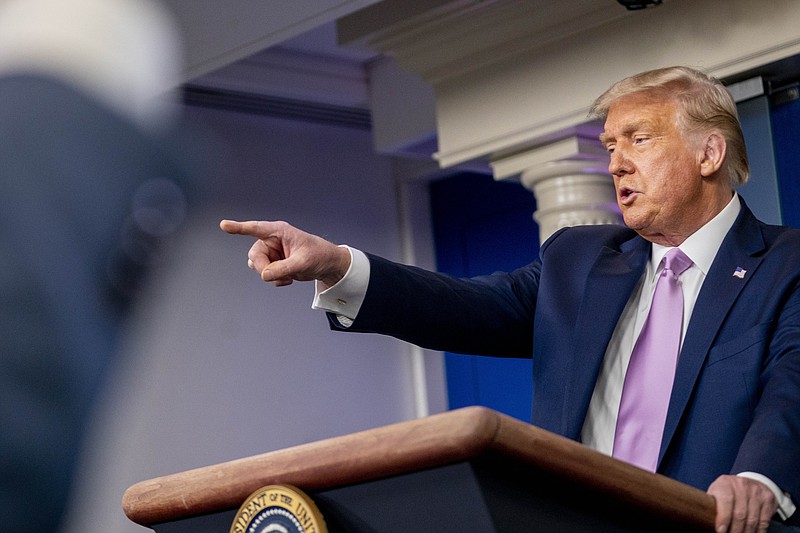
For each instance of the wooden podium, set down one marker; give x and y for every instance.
(471, 469)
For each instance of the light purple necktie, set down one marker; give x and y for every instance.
(651, 371)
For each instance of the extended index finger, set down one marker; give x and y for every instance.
(254, 228)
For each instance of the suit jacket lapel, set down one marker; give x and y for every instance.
(717, 295)
(611, 280)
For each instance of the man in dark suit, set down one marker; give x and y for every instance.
(75, 178)
(731, 417)
(89, 186)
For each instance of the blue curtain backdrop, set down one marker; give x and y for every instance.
(482, 226)
(786, 136)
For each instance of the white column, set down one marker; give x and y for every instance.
(570, 181)
(571, 193)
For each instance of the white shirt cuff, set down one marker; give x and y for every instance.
(786, 507)
(345, 298)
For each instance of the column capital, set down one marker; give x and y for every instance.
(576, 148)
(570, 181)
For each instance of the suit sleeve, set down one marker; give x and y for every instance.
(486, 315)
(771, 444)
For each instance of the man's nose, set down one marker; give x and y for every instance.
(619, 164)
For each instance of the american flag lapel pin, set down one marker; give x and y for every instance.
(739, 273)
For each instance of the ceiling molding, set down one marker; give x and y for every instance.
(278, 107)
(448, 40)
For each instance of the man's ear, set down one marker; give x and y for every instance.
(713, 156)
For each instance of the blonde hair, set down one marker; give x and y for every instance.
(704, 105)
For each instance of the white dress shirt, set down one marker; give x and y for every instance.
(345, 298)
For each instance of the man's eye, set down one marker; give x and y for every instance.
(610, 148)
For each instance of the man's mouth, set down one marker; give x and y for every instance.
(626, 195)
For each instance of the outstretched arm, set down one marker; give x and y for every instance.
(283, 253)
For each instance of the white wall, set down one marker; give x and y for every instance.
(221, 365)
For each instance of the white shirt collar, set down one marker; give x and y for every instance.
(702, 245)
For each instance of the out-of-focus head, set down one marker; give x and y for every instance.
(126, 53)
(704, 105)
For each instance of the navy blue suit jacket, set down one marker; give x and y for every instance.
(735, 405)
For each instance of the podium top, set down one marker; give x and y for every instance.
(415, 445)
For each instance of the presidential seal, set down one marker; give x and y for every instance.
(278, 509)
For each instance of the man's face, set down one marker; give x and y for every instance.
(656, 170)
